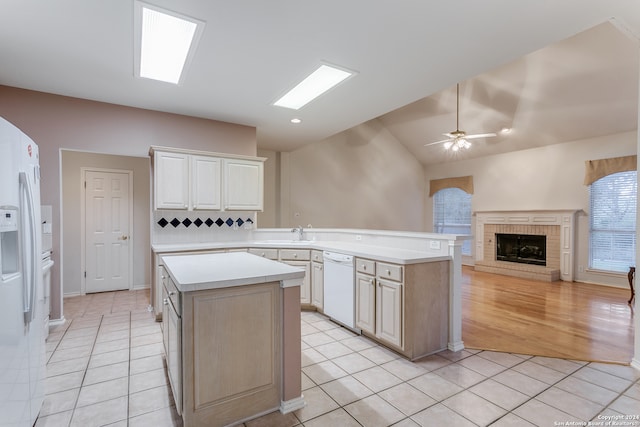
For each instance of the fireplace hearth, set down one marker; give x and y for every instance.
(521, 248)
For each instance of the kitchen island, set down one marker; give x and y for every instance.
(231, 325)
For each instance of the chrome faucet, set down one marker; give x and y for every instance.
(300, 231)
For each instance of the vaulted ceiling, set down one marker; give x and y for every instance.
(552, 71)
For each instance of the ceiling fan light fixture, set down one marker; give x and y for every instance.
(458, 139)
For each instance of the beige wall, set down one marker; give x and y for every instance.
(543, 178)
(360, 178)
(57, 122)
(72, 164)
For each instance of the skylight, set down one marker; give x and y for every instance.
(165, 42)
(317, 83)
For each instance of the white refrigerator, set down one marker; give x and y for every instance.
(22, 338)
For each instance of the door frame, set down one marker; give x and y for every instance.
(83, 219)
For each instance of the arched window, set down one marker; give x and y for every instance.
(452, 214)
(612, 222)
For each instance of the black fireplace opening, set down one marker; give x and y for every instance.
(522, 248)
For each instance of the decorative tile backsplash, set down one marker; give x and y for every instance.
(174, 226)
(198, 222)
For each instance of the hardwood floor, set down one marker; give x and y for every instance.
(558, 319)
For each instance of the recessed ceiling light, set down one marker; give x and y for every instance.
(164, 42)
(321, 80)
(296, 120)
(505, 130)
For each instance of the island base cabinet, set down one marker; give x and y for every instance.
(404, 307)
(171, 335)
(231, 354)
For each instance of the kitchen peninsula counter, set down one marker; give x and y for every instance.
(231, 325)
(382, 253)
(409, 251)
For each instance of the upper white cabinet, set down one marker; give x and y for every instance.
(191, 180)
(205, 183)
(243, 184)
(171, 180)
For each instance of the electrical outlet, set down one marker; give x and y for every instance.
(434, 244)
(581, 268)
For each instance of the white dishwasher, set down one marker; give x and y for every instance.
(339, 288)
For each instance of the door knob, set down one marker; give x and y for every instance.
(123, 237)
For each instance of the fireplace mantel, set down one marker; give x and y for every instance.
(564, 219)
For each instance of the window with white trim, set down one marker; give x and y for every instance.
(612, 222)
(452, 214)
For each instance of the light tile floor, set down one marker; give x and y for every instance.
(106, 369)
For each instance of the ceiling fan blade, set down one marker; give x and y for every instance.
(480, 135)
(438, 142)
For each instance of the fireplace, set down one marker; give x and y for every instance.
(556, 227)
(522, 248)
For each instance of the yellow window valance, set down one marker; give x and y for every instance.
(465, 183)
(596, 169)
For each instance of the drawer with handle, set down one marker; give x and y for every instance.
(317, 256)
(366, 266)
(389, 271)
(295, 254)
(265, 252)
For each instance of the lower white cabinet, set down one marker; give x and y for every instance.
(172, 337)
(317, 284)
(389, 312)
(379, 301)
(305, 289)
(366, 303)
(300, 258)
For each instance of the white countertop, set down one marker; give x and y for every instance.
(381, 253)
(221, 270)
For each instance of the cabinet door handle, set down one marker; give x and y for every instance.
(364, 267)
(165, 301)
(295, 255)
(172, 293)
(389, 272)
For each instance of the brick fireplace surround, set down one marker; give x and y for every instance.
(558, 226)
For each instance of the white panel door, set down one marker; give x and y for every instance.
(107, 238)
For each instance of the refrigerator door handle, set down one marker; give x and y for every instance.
(30, 284)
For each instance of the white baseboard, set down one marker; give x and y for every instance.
(71, 294)
(456, 346)
(292, 405)
(57, 322)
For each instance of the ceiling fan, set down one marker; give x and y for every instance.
(459, 139)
